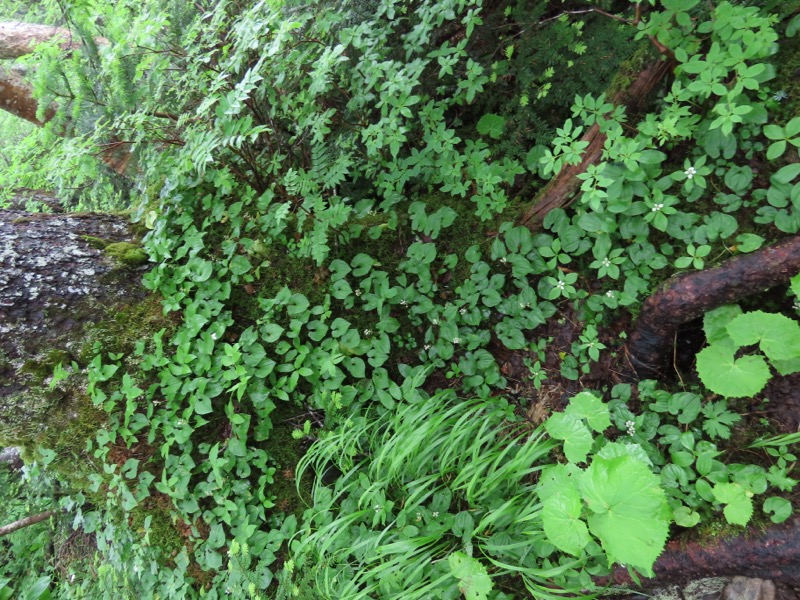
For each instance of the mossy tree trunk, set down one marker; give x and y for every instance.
(60, 286)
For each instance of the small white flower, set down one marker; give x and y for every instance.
(456, 340)
(427, 347)
(780, 96)
(435, 513)
(658, 206)
(631, 426)
(435, 321)
(358, 292)
(367, 332)
(377, 508)
(214, 336)
(504, 260)
(403, 302)
(606, 263)
(419, 517)
(561, 285)
(690, 172)
(610, 294)
(463, 311)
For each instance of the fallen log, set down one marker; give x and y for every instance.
(27, 521)
(560, 191)
(687, 297)
(772, 554)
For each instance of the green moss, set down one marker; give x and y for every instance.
(286, 451)
(95, 242)
(41, 368)
(126, 253)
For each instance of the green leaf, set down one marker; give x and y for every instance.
(738, 504)
(787, 173)
(563, 526)
(748, 242)
(778, 336)
(572, 430)
(780, 508)
(240, 265)
(631, 527)
(588, 406)
(39, 590)
(473, 580)
(491, 125)
(715, 321)
(724, 374)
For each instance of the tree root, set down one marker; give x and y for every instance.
(559, 192)
(688, 296)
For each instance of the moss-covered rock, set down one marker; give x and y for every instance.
(126, 253)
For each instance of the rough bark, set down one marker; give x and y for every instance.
(27, 521)
(773, 554)
(689, 296)
(55, 285)
(559, 192)
(20, 39)
(16, 97)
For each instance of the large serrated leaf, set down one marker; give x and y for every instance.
(721, 372)
(561, 517)
(575, 434)
(715, 321)
(632, 526)
(738, 505)
(777, 336)
(588, 406)
(473, 580)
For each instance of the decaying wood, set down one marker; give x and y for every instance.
(559, 192)
(773, 554)
(27, 521)
(689, 296)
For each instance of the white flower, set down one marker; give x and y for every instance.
(367, 332)
(435, 513)
(435, 321)
(606, 263)
(610, 294)
(631, 425)
(504, 260)
(419, 516)
(561, 285)
(403, 302)
(780, 96)
(358, 292)
(456, 340)
(463, 311)
(377, 508)
(214, 336)
(658, 206)
(427, 347)
(690, 172)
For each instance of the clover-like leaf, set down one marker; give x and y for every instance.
(632, 527)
